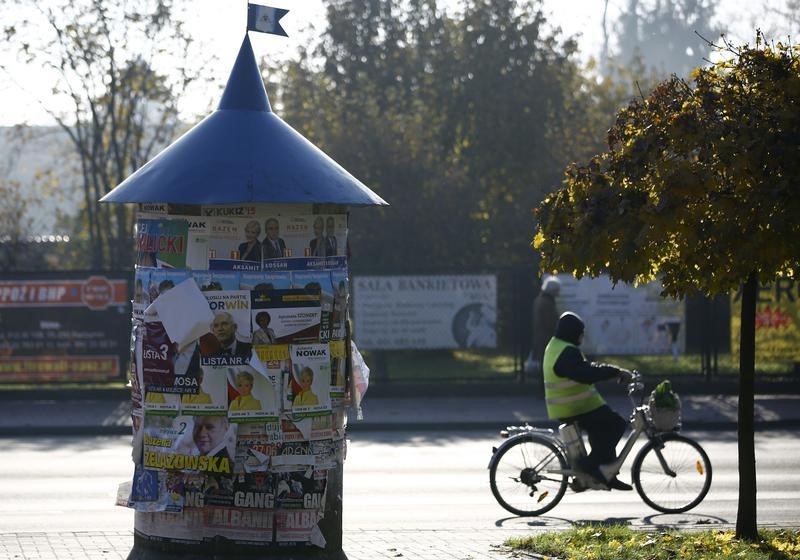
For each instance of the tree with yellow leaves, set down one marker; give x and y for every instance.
(698, 188)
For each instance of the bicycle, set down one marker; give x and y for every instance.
(530, 472)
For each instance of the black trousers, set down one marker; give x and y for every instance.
(604, 428)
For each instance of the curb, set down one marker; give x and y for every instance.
(378, 390)
(48, 394)
(372, 427)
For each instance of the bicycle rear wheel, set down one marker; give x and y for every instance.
(672, 473)
(521, 477)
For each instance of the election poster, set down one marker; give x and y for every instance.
(162, 243)
(156, 402)
(265, 281)
(319, 281)
(338, 364)
(252, 395)
(204, 444)
(308, 387)
(231, 325)
(149, 283)
(158, 360)
(211, 397)
(141, 291)
(321, 426)
(197, 248)
(215, 281)
(286, 316)
(233, 244)
(341, 291)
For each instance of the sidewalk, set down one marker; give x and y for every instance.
(358, 545)
(109, 414)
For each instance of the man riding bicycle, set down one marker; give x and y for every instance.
(571, 396)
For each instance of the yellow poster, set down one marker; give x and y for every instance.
(777, 321)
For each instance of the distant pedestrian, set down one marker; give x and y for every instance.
(545, 318)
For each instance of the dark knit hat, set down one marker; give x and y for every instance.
(569, 327)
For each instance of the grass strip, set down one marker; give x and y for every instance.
(620, 542)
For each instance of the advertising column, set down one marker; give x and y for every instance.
(239, 342)
(238, 375)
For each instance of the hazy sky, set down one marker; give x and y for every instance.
(220, 25)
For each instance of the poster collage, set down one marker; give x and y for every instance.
(238, 371)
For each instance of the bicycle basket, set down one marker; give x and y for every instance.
(665, 408)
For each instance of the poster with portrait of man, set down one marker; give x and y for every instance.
(231, 325)
(203, 444)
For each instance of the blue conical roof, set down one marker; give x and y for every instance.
(243, 152)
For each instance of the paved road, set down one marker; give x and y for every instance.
(422, 495)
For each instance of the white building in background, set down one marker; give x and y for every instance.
(40, 161)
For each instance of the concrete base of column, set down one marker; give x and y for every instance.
(221, 549)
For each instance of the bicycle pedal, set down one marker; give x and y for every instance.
(577, 486)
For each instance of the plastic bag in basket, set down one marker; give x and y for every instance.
(665, 408)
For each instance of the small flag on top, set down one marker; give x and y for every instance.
(265, 19)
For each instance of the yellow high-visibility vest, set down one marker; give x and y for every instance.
(565, 397)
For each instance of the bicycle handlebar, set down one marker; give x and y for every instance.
(635, 387)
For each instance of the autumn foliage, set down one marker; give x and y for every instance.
(698, 185)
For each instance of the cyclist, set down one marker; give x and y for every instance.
(571, 396)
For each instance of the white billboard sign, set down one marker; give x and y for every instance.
(624, 319)
(425, 312)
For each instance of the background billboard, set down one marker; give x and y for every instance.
(63, 327)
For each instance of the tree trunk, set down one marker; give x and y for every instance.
(746, 527)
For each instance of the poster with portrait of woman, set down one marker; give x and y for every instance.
(211, 396)
(234, 244)
(252, 395)
(309, 383)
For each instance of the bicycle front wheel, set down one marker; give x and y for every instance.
(672, 473)
(521, 475)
